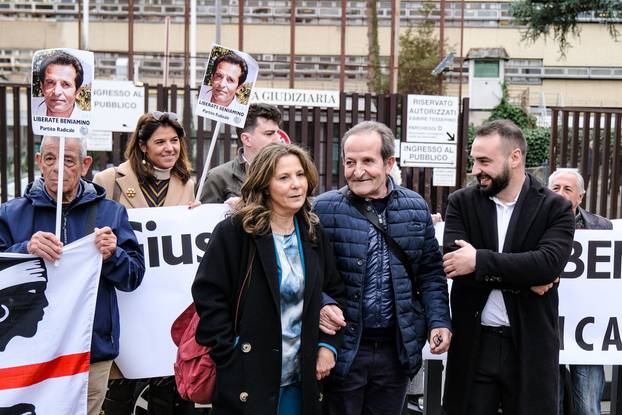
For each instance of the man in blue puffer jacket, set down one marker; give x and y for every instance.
(27, 224)
(388, 317)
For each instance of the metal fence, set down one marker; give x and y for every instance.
(590, 139)
(317, 129)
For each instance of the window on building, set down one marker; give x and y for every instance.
(486, 69)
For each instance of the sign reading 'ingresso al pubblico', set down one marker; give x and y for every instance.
(432, 132)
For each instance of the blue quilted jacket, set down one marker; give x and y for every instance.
(21, 217)
(409, 223)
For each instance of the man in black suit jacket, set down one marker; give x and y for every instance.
(504, 239)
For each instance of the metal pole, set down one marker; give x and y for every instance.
(193, 43)
(167, 26)
(461, 50)
(79, 25)
(85, 25)
(130, 40)
(59, 183)
(342, 55)
(241, 25)
(441, 45)
(292, 44)
(186, 40)
(208, 159)
(392, 48)
(218, 16)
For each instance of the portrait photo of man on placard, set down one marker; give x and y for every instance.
(226, 89)
(59, 79)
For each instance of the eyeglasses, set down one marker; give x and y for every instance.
(160, 115)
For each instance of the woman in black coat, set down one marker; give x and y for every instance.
(270, 356)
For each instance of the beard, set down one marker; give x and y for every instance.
(497, 183)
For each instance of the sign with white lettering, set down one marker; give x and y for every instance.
(296, 97)
(432, 119)
(443, 177)
(99, 141)
(589, 300)
(427, 155)
(117, 105)
(433, 123)
(173, 244)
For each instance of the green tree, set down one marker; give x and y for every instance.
(418, 56)
(505, 110)
(376, 81)
(561, 17)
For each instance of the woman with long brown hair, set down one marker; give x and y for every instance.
(270, 256)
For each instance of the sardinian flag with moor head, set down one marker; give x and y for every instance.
(46, 324)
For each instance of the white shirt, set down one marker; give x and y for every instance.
(495, 314)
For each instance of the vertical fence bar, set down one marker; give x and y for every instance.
(304, 128)
(355, 109)
(563, 162)
(116, 149)
(187, 113)
(17, 143)
(160, 105)
(328, 154)
(393, 115)
(291, 126)
(553, 146)
(595, 152)
(30, 138)
(367, 106)
(575, 139)
(380, 108)
(227, 144)
(617, 170)
(604, 178)
(464, 143)
(585, 154)
(173, 105)
(146, 97)
(317, 137)
(4, 188)
(342, 130)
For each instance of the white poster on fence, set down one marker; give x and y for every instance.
(173, 240)
(46, 323)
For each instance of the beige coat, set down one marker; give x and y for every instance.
(129, 191)
(127, 182)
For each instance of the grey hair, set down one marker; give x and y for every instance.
(387, 146)
(575, 172)
(82, 142)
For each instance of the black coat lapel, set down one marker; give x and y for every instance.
(486, 213)
(309, 249)
(265, 251)
(526, 209)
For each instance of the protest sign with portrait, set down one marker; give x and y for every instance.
(61, 92)
(227, 85)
